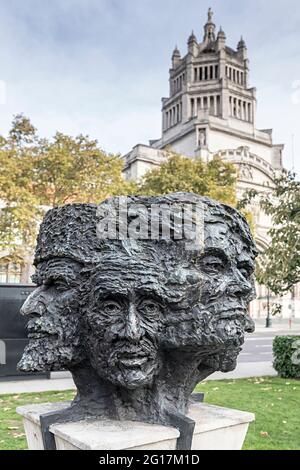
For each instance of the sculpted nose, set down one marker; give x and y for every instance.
(132, 327)
(32, 305)
(250, 325)
(240, 286)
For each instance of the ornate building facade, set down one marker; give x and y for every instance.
(211, 110)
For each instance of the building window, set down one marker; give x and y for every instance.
(10, 273)
(198, 105)
(192, 107)
(244, 111)
(218, 105)
(212, 105)
(234, 107)
(249, 113)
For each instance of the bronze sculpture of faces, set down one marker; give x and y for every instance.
(144, 319)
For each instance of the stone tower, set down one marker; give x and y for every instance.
(208, 88)
(210, 109)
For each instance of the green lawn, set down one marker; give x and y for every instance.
(276, 403)
(11, 429)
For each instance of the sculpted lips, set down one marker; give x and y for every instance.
(135, 358)
(233, 315)
(39, 335)
(35, 331)
(133, 361)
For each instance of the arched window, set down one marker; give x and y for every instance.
(10, 272)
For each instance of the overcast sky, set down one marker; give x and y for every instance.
(100, 67)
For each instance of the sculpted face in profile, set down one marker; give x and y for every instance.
(52, 312)
(139, 322)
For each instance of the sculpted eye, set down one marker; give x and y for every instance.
(150, 307)
(212, 264)
(110, 307)
(60, 285)
(246, 271)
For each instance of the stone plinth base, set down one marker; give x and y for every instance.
(216, 429)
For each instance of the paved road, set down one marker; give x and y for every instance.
(258, 346)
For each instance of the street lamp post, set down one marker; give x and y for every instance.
(269, 318)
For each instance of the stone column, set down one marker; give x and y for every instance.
(215, 105)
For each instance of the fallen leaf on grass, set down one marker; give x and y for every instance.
(19, 436)
(264, 434)
(16, 397)
(216, 389)
(13, 428)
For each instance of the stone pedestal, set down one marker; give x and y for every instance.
(216, 429)
(31, 420)
(219, 428)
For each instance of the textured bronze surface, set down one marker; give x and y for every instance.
(139, 323)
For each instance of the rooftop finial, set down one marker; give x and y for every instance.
(210, 28)
(221, 34)
(242, 44)
(192, 37)
(176, 52)
(176, 56)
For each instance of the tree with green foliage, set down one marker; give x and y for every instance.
(38, 174)
(215, 179)
(279, 265)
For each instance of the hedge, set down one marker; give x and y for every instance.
(287, 356)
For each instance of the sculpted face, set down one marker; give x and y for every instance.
(122, 321)
(52, 312)
(215, 323)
